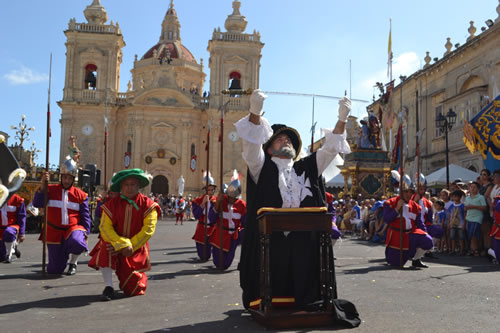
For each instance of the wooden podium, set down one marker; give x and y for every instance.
(296, 219)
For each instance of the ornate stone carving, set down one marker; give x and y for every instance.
(448, 46)
(472, 30)
(427, 59)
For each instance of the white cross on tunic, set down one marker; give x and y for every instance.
(424, 209)
(64, 204)
(408, 216)
(6, 209)
(230, 216)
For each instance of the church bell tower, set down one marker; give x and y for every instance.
(234, 57)
(93, 58)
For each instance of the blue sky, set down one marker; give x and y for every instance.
(308, 46)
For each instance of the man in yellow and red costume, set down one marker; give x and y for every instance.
(234, 211)
(128, 221)
(68, 219)
(416, 241)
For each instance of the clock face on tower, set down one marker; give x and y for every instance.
(87, 129)
(233, 136)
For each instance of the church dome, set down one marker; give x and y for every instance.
(173, 50)
(170, 46)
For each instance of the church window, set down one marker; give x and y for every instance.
(234, 81)
(90, 77)
(439, 111)
(170, 35)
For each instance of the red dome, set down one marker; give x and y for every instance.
(174, 49)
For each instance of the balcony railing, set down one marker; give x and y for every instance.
(236, 37)
(99, 28)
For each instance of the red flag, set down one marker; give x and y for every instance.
(395, 150)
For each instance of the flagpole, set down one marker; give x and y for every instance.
(206, 193)
(418, 139)
(313, 128)
(402, 173)
(46, 192)
(106, 144)
(389, 70)
(221, 182)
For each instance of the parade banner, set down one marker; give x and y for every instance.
(482, 134)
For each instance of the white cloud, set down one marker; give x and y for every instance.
(405, 64)
(25, 76)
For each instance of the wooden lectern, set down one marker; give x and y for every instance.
(296, 219)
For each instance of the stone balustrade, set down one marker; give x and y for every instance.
(229, 36)
(99, 28)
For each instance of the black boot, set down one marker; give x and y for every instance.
(418, 264)
(108, 294)
(17, 252)
(71, 269)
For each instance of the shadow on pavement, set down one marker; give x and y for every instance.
(174, 248)
(173, 275)
(193, 250)
(34, 275)
(240, 320)
(170, 262)
(54, 303)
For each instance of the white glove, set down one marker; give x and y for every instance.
(257, 102)
(344, 108)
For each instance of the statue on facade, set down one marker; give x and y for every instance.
(370, 133)
(74, 151)
(180, 184)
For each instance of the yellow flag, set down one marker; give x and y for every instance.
(389, 52)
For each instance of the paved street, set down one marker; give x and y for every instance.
(459, 294)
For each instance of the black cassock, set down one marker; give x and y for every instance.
(294, 258)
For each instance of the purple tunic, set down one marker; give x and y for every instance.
(74, 244)
(416, 240)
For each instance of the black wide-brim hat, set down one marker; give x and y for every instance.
(292, 134)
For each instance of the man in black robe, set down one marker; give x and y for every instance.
(278, 177)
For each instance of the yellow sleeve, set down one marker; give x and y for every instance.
(147, 230)
(109, 235)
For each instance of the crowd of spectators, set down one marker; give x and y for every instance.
(465, 212)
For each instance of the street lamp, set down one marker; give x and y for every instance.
(22, 129)
(445, 124)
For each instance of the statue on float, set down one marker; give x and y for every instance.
(370, 133)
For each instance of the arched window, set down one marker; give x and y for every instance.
(472, 168)
(91, 76)
(129, 146)
(235, 81)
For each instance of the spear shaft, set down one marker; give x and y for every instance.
(46, 192)
(206, 193)
(221, 212)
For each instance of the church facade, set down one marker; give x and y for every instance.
(163, 122)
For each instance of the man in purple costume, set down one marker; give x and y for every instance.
(68, 219)
(416, 241)
(336, 234)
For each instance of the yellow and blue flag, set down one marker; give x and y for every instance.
(482, 134)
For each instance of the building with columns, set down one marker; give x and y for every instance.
(463, 79)
(160, 123)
